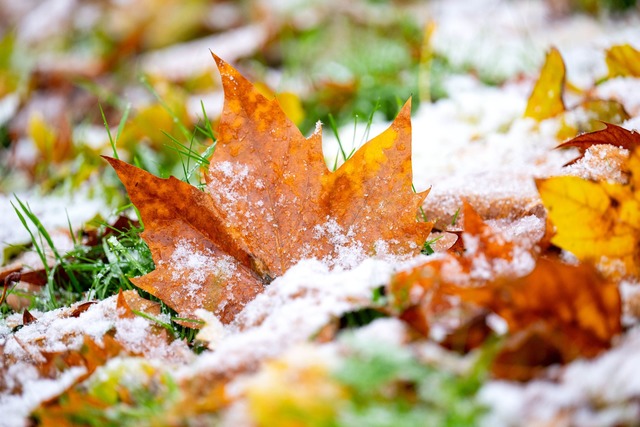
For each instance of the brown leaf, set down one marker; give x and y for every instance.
(612, 134)
(575, 300)
(487, 243)
(27, 317)
(8, 278)
(270, 202)
(556, 314)
(422, 295)
(81, 308)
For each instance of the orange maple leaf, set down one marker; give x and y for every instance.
(270, 201)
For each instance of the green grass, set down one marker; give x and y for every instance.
(101, 263)
(389, 386)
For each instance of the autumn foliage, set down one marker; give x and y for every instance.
(270, 201)
(554, 313)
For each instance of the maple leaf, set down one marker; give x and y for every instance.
(270, 201)
(597, 221)
(546, 100)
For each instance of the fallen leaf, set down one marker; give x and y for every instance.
(591, 115)
(556, 314)
(623, 60)
(612, 135)
(27, 317)
(420, 295)
(187, 243)
(486, 242)
(270, 202)
(546, 100)
(9, 277)
(597, 221)
(574, 299)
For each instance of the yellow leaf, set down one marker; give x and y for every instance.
(291, 105)
(294, 390)
(43, 136)
(546, 98)
(594, 221)
(623, 60)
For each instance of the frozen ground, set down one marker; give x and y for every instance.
(473, 144)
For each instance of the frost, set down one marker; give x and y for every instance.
(193, 266)
(307, 296)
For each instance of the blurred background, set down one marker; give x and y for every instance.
(144, 68)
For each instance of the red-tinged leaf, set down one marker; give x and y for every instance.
(81, 308)
(271, 202)
(180, 228)
(612, 135)
(8, 278)
(27, 317)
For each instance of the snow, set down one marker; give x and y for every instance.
(590, 393)
(308, 296)
(56, 331)
(193, 267)
(16, 408)
(474, 144)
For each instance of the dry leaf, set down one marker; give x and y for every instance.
(556, 314)
(597, 221)
(612, 135)
(421, 295)
(270, 202)
(546, 100)
(623, 60)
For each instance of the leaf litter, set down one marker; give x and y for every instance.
(507, 247)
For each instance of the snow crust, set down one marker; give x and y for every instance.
(292, 309)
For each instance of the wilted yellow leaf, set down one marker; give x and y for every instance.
(545, 100)
(623, 60)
